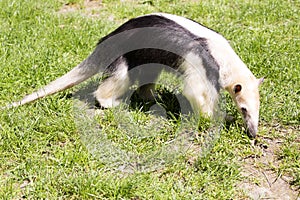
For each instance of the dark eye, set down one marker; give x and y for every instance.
(244, 110)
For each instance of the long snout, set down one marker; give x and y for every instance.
(251, 128)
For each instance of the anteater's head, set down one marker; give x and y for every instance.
(246, 96)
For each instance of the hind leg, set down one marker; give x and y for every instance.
(112, 88)
(147, 92)
(145, 77)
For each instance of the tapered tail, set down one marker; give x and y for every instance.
(77, 75)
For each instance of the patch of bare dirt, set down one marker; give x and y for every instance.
(89, 8)
(262, 182)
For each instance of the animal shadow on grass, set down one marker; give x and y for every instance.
(165, 103)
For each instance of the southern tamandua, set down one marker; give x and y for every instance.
(204, 57)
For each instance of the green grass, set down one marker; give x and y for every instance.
(42, 153)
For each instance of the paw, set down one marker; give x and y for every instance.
(108, 103)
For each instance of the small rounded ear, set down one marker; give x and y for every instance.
(260, 80)
(237, 88)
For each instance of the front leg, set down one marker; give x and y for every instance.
(198, 89)
(203, 102)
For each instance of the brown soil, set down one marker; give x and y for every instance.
(88, 8)
(262, 182)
